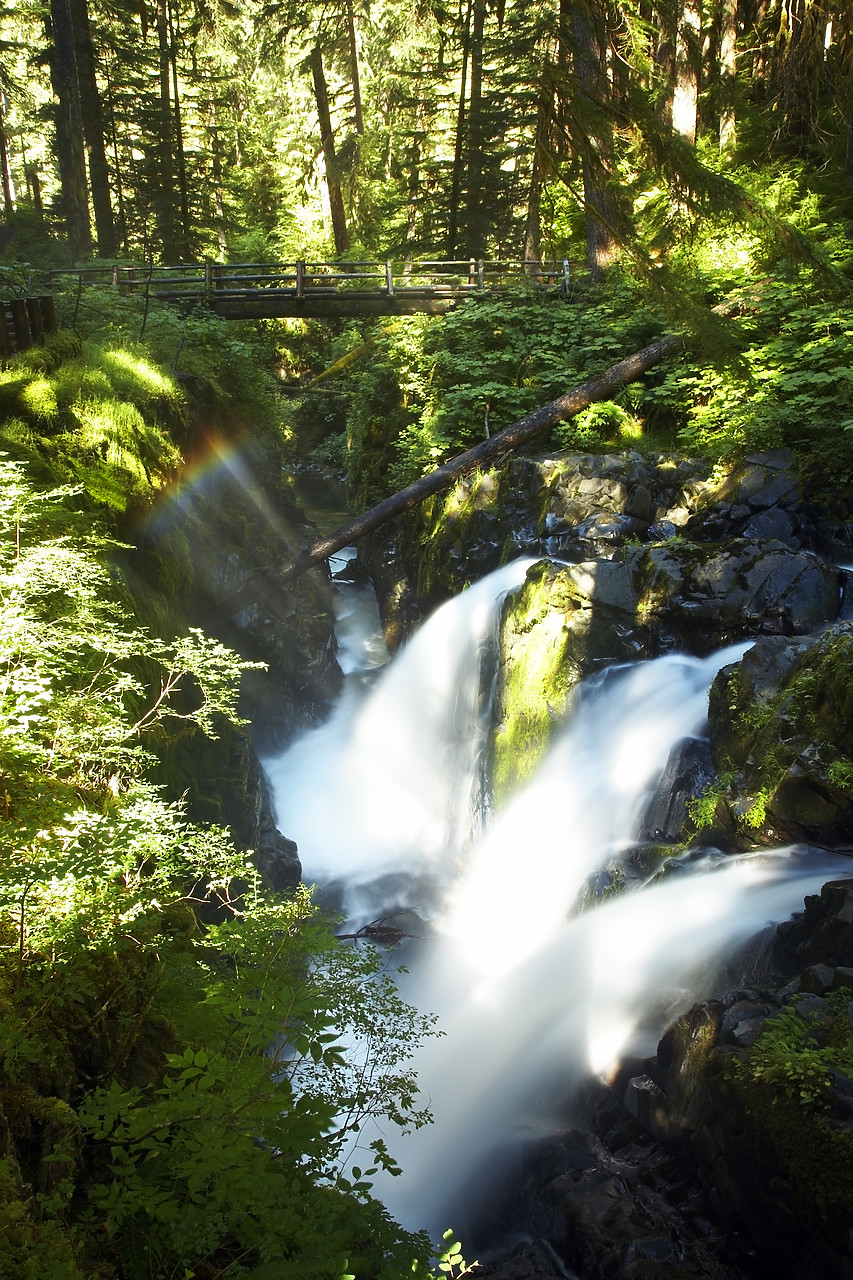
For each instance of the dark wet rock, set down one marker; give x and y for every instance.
(774, 524)
(688, 772)
(577, 507)
(395, 598)
(822, 935)
(527, 1261)
(194, 557)
(568, 621)
(742, 588)
(616, 1205)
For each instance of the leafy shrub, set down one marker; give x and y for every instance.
(173, 1070)
(793, 1053)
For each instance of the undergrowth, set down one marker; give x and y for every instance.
(185, 1060)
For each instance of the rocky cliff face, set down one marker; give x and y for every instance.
(231, 517)
(588, 507)
(728, 1153)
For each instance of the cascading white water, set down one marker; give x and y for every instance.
(385, 786)
(530, 997)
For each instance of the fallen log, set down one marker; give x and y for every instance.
(512, 437)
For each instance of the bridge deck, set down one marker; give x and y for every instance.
(322, 289)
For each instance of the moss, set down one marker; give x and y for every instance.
(786, 741)
(34, 1247)
(537, 674)
(797, 1152)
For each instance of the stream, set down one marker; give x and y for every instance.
(390, 809)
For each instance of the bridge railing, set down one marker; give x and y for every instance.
(207, 279)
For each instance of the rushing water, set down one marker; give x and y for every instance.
(386, 801)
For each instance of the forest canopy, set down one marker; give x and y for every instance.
(587, 130)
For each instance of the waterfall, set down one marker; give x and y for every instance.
(531, 995)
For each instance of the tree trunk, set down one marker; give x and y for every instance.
(354, 71)
(532, 225)
(728, 72)
(489, 450)
(164, 201)
(459, 144)
(685, 99)
(34, 188)
(475, 215)
(121, 225)
(327, 138)
(180, 156)
(70, 147)
(8, 189)
(596, 146)
(218, 196)
(93, 129)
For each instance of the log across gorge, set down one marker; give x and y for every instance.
(488, 451)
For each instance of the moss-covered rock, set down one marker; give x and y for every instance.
(781, 724)
(562, 624)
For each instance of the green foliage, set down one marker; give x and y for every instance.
(186, 1061)
(235, 1155)
(450, 1260)
(96, 418)
(793, 1053)
(438, 385)
(230, 359)
(702, 809)
(791, 386)
(599, 424)
(778, 1095)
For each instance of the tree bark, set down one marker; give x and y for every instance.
(93, 130)
(459, 143)
(71, 154)
(8, 189)
(728, 72)
(685, 98)
(165, 197)
(327, 138)
(596, 146)
(475, 216)
(532, 223)
(489, 450)
(355, 75)
(180, 155)
(121, 224)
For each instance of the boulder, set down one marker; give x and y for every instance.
(688, 772)
(781, 725)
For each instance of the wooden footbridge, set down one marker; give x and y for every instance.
(320, 290)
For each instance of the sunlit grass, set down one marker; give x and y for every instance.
(148, 378)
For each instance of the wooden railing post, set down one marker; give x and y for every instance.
(389, 279)
(5, 339)
(300, 279)
(48, 313)
(208, 280)
(33, 306)
(21, 324)
(480, 278)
